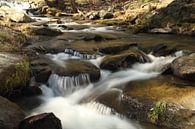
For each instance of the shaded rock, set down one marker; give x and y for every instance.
(31, 91)
(93, 15)
(184, 67)
(124, 60)
(45, 31)
(14, 15)
(41, 121)
(43, 67)
(10, 114)
(15, 73)
(162, 50)
(105, 14)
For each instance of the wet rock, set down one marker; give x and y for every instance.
(14, 15)
(162, 50)
(10, 115)
(31, 91)
(14, 73)
(41, 121)
(117, 48)
(161, 31)
(184, 67)
(43, 67)
(124, 60)
(75, 41)
(45, 31)
(105, 14)
(77, 67)
(164, 101)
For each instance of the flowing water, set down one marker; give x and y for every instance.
(63, 95)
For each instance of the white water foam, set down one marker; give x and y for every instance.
(74, 115)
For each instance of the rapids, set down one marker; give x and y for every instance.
(63, 95)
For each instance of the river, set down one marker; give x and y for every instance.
(64, 95)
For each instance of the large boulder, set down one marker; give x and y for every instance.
(10, 114)
(14, 15)
(184, 67)
(41, 121)
(14, 73)
(124, 60)
(43, 67)
(165, 101)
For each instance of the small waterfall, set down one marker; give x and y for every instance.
(101, 109)
(78, 54)
(66, 85)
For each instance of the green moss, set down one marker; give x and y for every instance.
(19, 77)
(157, 111)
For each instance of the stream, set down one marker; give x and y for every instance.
(73, 99)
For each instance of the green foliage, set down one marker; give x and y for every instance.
(157, 111)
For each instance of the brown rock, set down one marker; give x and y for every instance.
(10, 114)
(124, 60)
(184, 67)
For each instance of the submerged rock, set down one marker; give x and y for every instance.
(10, 114)
(14, 73)
(184, 67)
(124, 60)
(43, 67)
(41, 121)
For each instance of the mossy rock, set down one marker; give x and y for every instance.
(15, 74)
